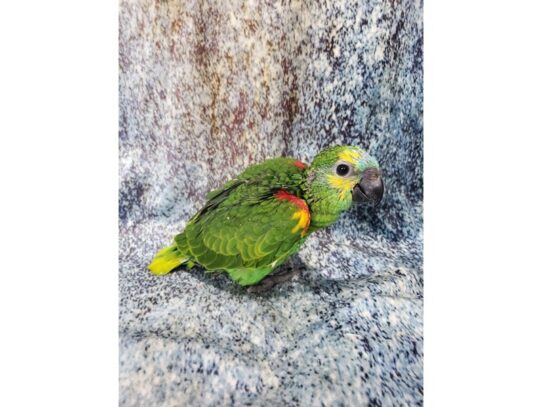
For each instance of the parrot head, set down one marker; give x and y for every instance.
(341, 175)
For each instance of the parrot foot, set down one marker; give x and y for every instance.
(273, 280)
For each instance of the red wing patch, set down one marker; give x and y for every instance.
(303, 214)
(300, 164)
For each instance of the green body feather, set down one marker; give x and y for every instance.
(256, 221)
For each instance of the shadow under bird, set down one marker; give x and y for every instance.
(253, 223)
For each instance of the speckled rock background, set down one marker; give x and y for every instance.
(207, 88)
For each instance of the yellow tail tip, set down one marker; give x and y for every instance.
(166, 260)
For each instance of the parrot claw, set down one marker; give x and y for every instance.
(272, 280)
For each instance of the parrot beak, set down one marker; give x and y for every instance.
(371, 187)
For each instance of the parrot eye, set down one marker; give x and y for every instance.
(342, 170)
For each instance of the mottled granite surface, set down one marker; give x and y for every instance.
(207, 88)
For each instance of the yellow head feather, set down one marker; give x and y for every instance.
(351, 156)
(344, 185)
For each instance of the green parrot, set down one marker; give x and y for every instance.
(257, 220)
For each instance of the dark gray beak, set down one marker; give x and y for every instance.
(371, 187)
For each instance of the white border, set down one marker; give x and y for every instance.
(483, 275)
(58, 205)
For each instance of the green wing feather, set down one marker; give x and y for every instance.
(243, 228)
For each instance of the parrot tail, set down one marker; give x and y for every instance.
(166, 260)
